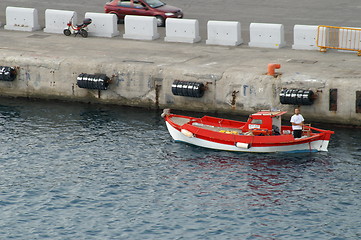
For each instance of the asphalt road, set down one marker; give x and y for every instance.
(287, 12)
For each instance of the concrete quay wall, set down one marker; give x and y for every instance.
(142, 74)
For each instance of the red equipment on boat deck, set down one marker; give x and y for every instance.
(260, 132)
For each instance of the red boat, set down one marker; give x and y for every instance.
(262, 132)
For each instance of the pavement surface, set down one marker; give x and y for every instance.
(213, 58)
(287, 12)
(196, 58)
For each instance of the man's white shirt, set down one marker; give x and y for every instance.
(297, 119)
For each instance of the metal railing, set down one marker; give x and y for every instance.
(342, 38)
(306, 130)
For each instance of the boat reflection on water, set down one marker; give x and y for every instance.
(246, 179)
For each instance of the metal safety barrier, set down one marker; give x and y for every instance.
(342, 38)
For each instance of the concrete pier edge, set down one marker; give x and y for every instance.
(142, 74)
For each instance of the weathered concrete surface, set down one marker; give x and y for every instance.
(144, 71)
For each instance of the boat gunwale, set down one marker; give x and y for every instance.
(314, 137)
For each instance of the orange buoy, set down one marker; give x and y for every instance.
(272, 67)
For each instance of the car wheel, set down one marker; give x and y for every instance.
(83, 33)
(66, 32)
(160, 21)
(118, 20)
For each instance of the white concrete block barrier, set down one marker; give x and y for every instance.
(22, 19)
(103, 25)
(56, 20)
(267, 35)
(224, 33)
(305, 37)
(182, 30)
(140, 28)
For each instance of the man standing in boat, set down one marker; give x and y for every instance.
(297, 123)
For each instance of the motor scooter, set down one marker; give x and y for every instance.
(76, 29)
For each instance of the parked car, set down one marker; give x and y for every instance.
(155, 8)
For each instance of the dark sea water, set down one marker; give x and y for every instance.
(79, 171)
